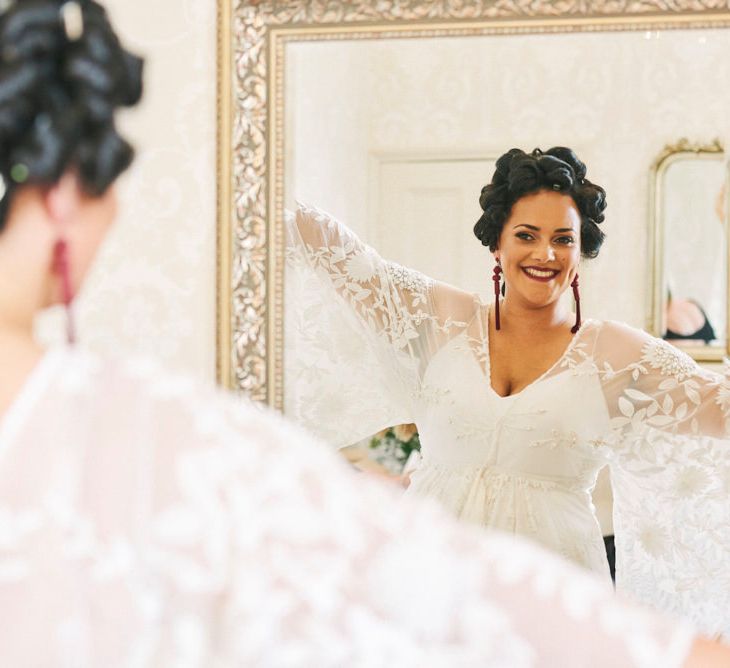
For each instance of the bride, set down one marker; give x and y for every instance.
(147, 522)
(520, 403)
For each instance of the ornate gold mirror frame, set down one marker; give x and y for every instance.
(656, 323)
(251, 44)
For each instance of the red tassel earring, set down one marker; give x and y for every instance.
(576, 294)
(496, 277)
(61, 267)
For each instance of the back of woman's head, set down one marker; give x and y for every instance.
(518, 174)
(63, 74)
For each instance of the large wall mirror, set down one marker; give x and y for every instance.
(689, 269)
(390, 118)
(362, 111)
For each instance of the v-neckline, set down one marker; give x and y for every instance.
(488, 358)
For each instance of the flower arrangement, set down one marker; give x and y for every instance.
(393, 446)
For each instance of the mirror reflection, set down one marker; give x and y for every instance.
(695, 249)
(503, 350)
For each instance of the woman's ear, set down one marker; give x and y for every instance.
(62, 199)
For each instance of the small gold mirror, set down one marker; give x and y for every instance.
(689, 277)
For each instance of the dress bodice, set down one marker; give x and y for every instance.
(525, 463)
(544, 431)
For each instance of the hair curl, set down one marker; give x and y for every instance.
(519, 174)
(58, 97)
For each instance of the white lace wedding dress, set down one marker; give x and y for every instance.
(144, 522)
(371, 344)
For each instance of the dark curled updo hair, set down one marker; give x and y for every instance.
(60, 85)
(519, 174)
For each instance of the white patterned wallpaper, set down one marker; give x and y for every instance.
(617, 98)
(152, 289)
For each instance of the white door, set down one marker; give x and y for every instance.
(424, 211)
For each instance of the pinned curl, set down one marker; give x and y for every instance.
(518, 174)
(63, 75)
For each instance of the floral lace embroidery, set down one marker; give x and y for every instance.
(579, 361)
(432, 395)
(668, 360)
(361, 267)
(497, 478)
(558, 439)
(723, 394)
(408, 279)
(477, 347)
(354, 275)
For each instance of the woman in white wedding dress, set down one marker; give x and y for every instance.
(520, 404)
(147, 522)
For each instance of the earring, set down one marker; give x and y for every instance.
(496, 277)
(576, 295)
(61, 268)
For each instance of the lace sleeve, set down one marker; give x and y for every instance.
(359, 330)
(390, 299)
(651, 383)
(671, 475)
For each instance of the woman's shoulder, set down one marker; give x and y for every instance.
(619, 331)
(453, 304)
(622, 346)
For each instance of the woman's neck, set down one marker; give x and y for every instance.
(17, 316)
(17, 342)
(19, 354)
(523, 318)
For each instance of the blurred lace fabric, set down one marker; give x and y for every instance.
(149, 522)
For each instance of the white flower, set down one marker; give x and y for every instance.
(653, 539)
(690, 481)
(408, 279)
(360, 267)
(668, 360)
(723, 394)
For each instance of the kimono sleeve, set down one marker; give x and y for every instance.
(670, 466)
(359, 331)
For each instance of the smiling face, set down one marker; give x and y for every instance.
(539, 247)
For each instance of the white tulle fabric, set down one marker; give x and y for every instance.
(146, 523)
(371, 344)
